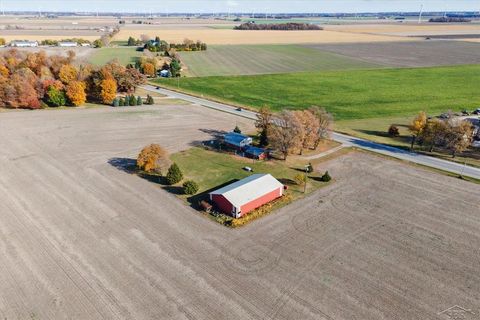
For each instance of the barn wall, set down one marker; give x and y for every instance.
(252, 205)
(222, 204)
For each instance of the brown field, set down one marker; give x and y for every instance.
(408, 54)
(80, 238)
(407, 29)
(226, 36)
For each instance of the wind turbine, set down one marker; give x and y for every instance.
(420, 15)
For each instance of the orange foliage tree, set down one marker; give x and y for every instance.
(108, 90)
(76, 93)
(149, 69)
(68, 73)
(153, 158)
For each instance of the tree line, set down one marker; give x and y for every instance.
(291, 132)
(163, 46)
(453, 134)
(278, 26)
(34, 80)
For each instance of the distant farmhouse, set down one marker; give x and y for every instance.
(24, 44)
(241, 197)
(237, 140)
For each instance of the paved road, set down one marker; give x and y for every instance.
(345, 139)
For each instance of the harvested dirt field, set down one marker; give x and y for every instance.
(409, 54)
(80, 238)
(407, 29)
(226, 36)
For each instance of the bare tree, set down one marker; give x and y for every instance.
(285, 133)
(263, 123)
(325, 123)
(459, 136)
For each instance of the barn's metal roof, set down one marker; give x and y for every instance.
(253, 187)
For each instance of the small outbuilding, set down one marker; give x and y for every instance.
(70, 44)
(24, 44)
(256, 153)
(237, 140)
(241, 197)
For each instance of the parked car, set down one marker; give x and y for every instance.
(239, 109)
(477, 111)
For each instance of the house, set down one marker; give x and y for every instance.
(67, 44)
(23, 43)
(165, 73)
(237, 140)
(241, 197)
(255, 153)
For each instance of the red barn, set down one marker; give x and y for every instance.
(241, 197)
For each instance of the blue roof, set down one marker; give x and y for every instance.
(237, 139)
(254, 151)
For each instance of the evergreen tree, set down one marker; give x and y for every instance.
(121, 103)
(190, 187)
(150, 100)
(139, 101)
(174, 175)
(237, 130)
(133, 100)
(116, 102)
(326, 177)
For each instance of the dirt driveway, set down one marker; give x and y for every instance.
(81, 239)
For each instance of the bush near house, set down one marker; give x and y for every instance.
(174, 174)
(190, 187)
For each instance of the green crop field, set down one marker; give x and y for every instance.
(265, 59)
(355, 94)
(124, 55)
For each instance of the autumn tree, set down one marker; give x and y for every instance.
(108, 90)
(263, 123)
(434, 133)
(325, 123)
(148, 69)
(76, 93)
(284, 134)
(459, 136)
(153, 158)
(417, 126)
(310, 128)
(68, 73)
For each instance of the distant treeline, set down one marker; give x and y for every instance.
(449, 19)
(278, 26)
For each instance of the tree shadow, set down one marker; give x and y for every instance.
(405, 139)
(215, 134)
(127, 165)
(287, 181)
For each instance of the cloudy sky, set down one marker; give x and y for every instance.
(240, 5)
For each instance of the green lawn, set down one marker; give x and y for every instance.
(124, 55)
(265, 59)
(358, 94)
(211, 169)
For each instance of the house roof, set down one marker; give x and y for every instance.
(236, 138)
(253, 187)
(254, 150)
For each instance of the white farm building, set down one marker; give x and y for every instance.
(24, 44)
(67, 44)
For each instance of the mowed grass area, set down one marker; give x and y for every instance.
(358, 94)
(123, 55)
(265, 59)
(211, 169)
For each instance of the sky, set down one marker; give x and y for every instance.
(273, 6)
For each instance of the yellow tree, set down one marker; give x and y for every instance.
(149, 69)
(417, 126)
(108, 90)
(76, 93)
(68, 73)
(153, 158)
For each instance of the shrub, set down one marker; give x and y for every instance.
(116, 102)
(139, 101)
(393, 131)
(300, 179)
(326, 177)
(190, 187)
(150, 100)
(237, 130)
(121, 103)
(174, 175)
